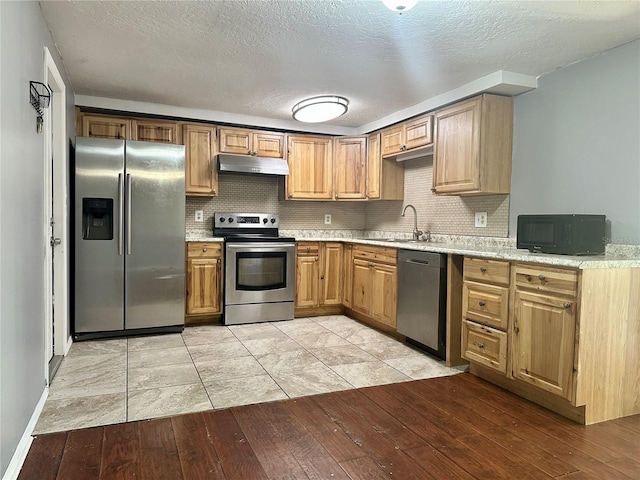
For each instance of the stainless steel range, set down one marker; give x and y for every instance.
(259, 283)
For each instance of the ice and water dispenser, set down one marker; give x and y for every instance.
(97, 219)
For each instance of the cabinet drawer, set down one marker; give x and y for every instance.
(305, 249)
(381, 254)
(491, 271)
(484, 345)
(558, 281)
(487, 304)
(204, 250)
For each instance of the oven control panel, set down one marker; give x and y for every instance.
(245, 220)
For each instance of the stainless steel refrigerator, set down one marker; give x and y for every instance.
(129, 238)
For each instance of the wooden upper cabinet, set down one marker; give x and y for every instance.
(472, 153)
(418, 132)
(201, 174)
(251, 142)
(385, 178)
(407, 136)
(310, 168)
(350, 168)
(105, 126)
(155, 131)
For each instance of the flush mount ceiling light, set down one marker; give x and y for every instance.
(400, 5)
(320, 109)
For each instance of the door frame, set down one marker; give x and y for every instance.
(55, 146)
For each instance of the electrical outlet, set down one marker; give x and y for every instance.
(199, 216)
(327, 219)
(481, 219)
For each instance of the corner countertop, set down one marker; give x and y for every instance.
(616, 256)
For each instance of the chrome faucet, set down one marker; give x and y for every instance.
(416, 232)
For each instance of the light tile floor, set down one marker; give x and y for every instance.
(210, 367)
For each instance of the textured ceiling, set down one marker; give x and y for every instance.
(259, 58)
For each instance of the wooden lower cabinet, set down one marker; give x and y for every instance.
(318, 274)
(543, 340)
(571, 338)
(374, 290)
(347, 274)
(204, 279)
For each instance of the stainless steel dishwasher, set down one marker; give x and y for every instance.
(422, 291)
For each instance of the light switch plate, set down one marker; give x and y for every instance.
(199, 216)
(327, 219)
(481, 219)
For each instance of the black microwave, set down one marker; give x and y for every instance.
(562, 234)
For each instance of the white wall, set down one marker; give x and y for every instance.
(23, 35)
(577, 143)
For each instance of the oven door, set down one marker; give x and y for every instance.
(258, 272)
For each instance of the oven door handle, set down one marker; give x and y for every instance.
(251, 246)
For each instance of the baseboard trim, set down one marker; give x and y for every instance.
(19, 456)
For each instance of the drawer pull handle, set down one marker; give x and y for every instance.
(566, 305)
(481, 345)
(481, 303)
(483, 269)
(541, 277)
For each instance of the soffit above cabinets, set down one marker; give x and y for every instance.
(249, 62)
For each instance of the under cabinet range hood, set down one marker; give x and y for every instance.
(231, 163)
(417, 153)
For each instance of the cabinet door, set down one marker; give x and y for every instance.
(155, 131)
(201, 174)
(456, 153)
(204, 292)
(331, 275)
(392, 140)
(418, 132)
(543, 342)
(361, 297)
(307, 273)
(347, 274)
(350, 164)
(104, 126)
(384, 294)
(310, 168)
(374, 164)
(268, 144)
(234, 140)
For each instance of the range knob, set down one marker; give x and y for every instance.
(221, 219)
(230, 219)
(273, 220)
(264, 220)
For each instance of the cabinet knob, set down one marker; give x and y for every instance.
(541, 277)
(516, 330)
(204, 249)
(291, 195)
(481, 345)
(483, 269)
(315, 259)
(481, 303)
(433, 190)
(566, 305)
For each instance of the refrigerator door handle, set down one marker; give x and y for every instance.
(128, 214)
(120, 213)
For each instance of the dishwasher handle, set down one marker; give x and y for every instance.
(418, 262)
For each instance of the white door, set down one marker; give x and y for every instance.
(56, 218)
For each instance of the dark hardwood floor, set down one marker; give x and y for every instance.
(456, 427)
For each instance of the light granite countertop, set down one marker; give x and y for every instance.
(616, 256)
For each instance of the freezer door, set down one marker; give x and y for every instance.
(154, 235)
(98, 235)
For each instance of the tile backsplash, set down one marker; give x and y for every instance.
(450, 215)
(259, 194)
